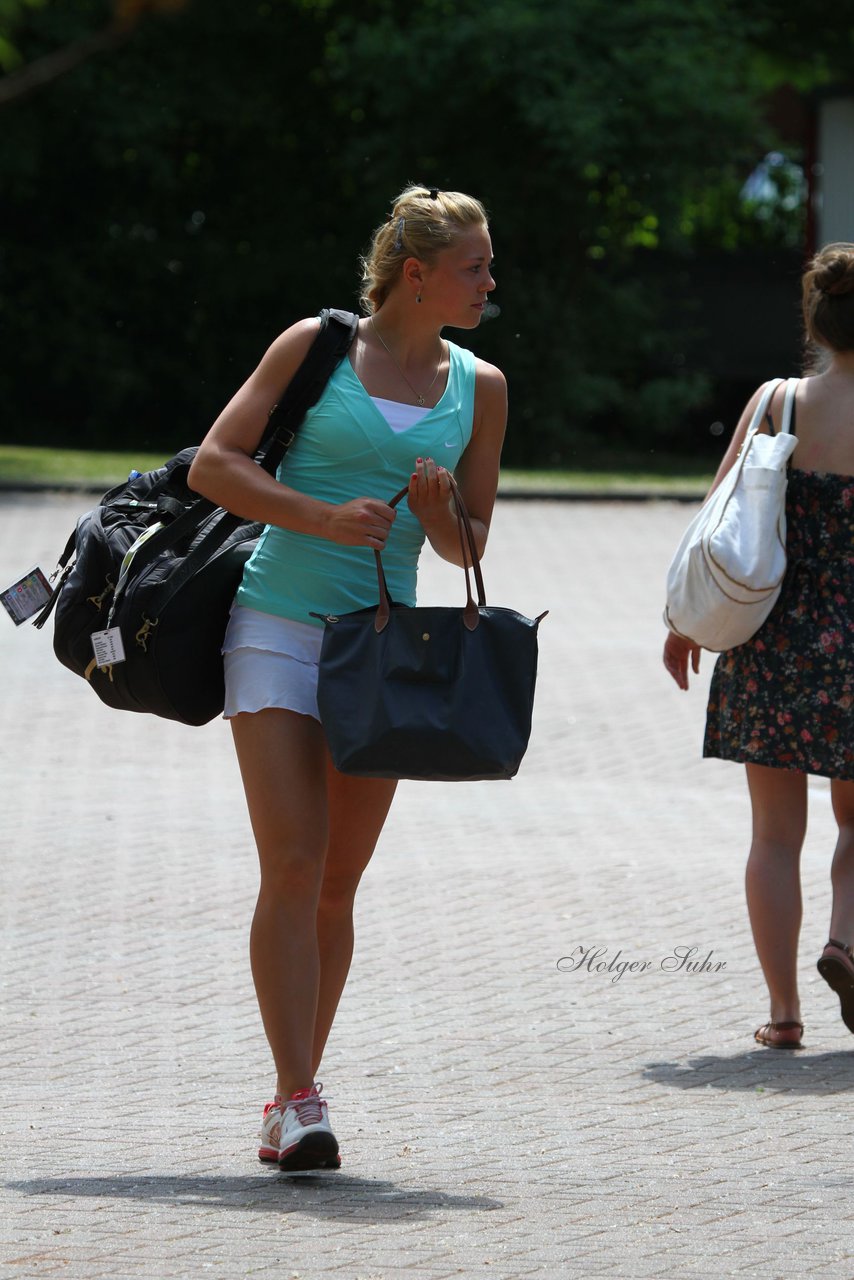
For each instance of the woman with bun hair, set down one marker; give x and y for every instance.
(404, 406)
(783, 703)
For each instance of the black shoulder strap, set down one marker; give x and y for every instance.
(337, 330)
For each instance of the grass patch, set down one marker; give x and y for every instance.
(626, 470)
(609, 472)
(21, 465)
(613, 481)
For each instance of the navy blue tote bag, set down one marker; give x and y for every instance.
(432, 693)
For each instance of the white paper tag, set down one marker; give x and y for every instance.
(26, 596)
(107, 647)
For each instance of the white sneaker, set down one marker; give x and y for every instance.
(271, 1128)
(296, 1132)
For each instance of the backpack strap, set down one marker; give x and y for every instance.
(337, 330)
(333, 341)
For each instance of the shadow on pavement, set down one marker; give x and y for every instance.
(786, 1071)
(328, 1193)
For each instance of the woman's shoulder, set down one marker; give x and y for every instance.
(773, 391)
(286, 353)
(489, 379)
(298, 336)
(482, 370)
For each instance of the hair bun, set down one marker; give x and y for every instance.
(835, 270)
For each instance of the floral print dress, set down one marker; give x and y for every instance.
(786, 697)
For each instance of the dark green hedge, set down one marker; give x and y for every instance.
(169, 206)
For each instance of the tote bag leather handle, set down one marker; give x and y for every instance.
(471, 563)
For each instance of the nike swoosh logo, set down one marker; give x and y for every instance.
(449, 444)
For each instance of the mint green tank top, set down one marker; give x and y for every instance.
(345, 449)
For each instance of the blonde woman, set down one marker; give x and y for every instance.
(783, 703)
(406, 405)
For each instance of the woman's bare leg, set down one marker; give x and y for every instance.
(842, 868)
(779, 801)
(357, 810)
(282, 759)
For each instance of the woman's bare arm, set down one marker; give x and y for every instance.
(224, 469)
(476, 473)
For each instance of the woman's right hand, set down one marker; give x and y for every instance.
(677, 651)
(362, 522)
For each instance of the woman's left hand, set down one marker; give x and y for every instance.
(429, 492)
(476, 474)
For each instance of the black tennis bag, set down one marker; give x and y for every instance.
(161, 564)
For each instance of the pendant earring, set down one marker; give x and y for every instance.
(418, 296)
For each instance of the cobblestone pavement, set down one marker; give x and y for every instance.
(501, 1114)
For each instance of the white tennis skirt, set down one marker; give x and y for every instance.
(270, 662)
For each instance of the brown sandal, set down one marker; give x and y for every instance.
(761, 1038)
(839, 976)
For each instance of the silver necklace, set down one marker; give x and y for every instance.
(418, 396)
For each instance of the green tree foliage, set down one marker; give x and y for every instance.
(588, 128)
(28, 77)
(170, 206)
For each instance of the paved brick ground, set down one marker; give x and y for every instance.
(498, 1117)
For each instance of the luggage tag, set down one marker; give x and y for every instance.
(108, 647)
(27, 596)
